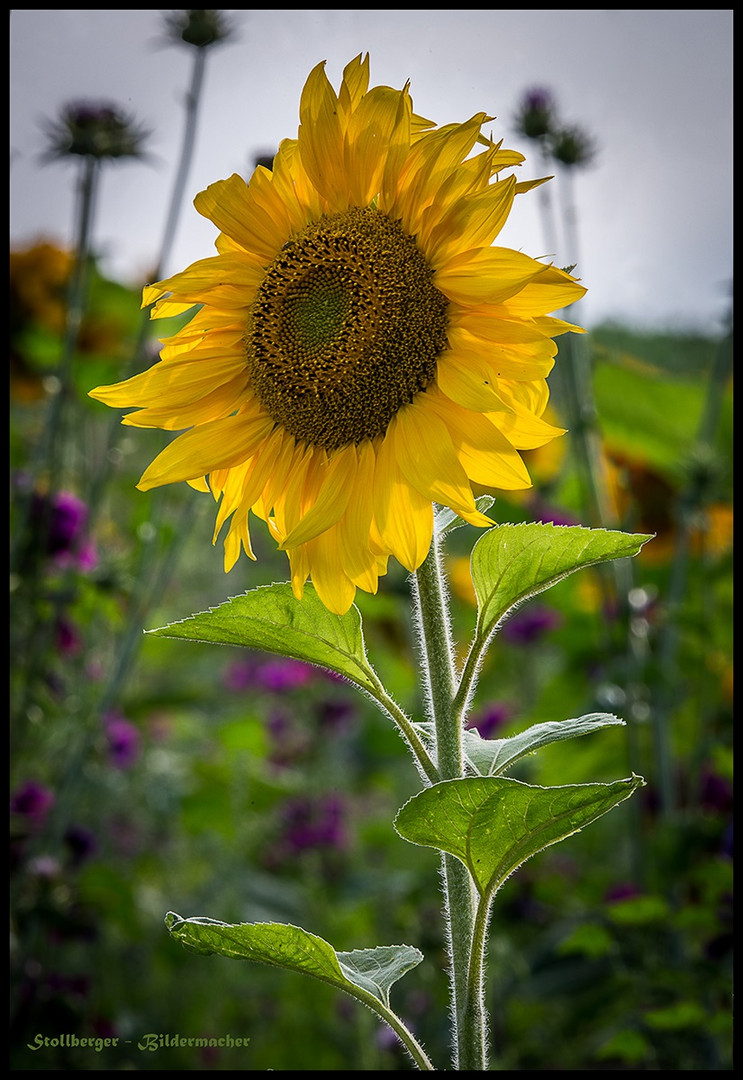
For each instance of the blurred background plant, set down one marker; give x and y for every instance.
(150, 775)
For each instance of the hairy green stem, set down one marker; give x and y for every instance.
(473, 1030)
(407, 729)
(430, 598)
(405, 1036)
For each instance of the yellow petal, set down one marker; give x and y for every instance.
(428, 460)
(379, 128)
(337, 478)
(474, 221)
(333, 587)
(320, 138)
(483, 450)
(549, 291)
(354, 85)
(358, 559)
(486, 275)
(219, 444)
(403, 516)
(249, 214)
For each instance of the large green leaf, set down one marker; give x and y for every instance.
(283, 945)
(493, 824)
(271, 618)
(491, 757)
(512, 563)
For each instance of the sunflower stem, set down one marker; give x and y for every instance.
(437, 659)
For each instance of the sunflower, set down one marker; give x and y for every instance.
(361, 350)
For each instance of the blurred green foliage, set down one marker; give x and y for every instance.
(151, 774)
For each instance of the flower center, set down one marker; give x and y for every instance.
(346, 328)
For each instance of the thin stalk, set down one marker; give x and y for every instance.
(430, 602)
(193, 101)
(48, 460)
(691, 498)
(192, 104)
(405, 1036)
(407, 729)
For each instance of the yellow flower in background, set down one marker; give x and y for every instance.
(361, 350)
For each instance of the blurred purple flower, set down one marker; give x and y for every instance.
(33, 801)
(536, 114)
(283, 673)
(551, 515)
(81, 842)
(488, 722)
(316, 824)
(65, 520)
(123, 741)
(240, 674)
(289, 739)
(68, 637)
(623, 890)
(275, 675)
(334, 715)
(716, 794)
(529, 624)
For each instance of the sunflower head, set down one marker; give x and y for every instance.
(362, 349)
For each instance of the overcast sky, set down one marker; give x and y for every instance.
(652, 88)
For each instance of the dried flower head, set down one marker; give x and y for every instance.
(536, 115)
(198, 28)
(98, 130)
(572, 146)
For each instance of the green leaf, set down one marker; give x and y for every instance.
(271, 618)
(491, 757)
(512, 563)
(373, 971)
(493, 824)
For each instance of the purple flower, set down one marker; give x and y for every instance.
(316, 824)
(240, 675)
(81, 842)
(33, 801)
(550, 515)
(69, 515)
(289, 739)
(275, 675)
(623, 890)
(335, 715)
(123, 741)
(68, 637)
(283, 673)
(536, 115)
(716, 795)
(529, 624)
(65, 520)
(490, 720)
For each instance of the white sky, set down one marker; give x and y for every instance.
(653, 88)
